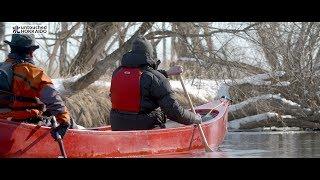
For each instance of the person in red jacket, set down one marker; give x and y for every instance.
(27, 94)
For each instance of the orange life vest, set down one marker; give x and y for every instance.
(27, 83)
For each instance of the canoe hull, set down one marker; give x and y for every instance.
(27, 140)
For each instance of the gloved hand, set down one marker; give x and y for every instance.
(198, 119)
(61, 130)
(175, 70)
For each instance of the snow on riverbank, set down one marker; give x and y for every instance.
(58, 83)
(204, 89)
(259, 79)
(262, 97)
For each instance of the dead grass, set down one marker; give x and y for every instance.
(91, 107)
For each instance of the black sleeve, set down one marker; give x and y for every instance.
(163, 93)
(164, 72)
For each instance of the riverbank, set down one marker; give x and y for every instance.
(91, 107)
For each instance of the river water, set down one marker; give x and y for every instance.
(287, 144)
(272, 144)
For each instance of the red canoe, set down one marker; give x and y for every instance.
(28, 140)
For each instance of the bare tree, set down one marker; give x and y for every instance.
(61, 37)
(293, 49)
(101, 66)
(95, 38)
(2, 31)
(63, 62)
(164, 45)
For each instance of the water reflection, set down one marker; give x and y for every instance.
(290, 144)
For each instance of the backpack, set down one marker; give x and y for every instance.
(7, 97)
(6, 75)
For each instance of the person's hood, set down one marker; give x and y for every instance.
(142, 54)
(138, 59)
(141, 44)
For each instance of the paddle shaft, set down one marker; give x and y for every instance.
(187, 94)
(59, 139)
(61, 146)
(204, 140)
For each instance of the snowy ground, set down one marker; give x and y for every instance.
(58, 83)
(204, 89)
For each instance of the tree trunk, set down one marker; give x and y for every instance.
(164, 45)
(2, 31)
(173, 43)
(268, 44)
(52, 57)
(61, 37)
(95, 38)
(208, 40)
(181, 46)
(63, 52)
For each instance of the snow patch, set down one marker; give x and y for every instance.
(262, 97)
(58, 83)
(223, 91)
(102, 84)
(282, 84)
(203, 89)
(186, 59)
(258, 79)
(287, 116)
(287, 101)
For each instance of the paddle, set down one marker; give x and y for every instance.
(59, 139)
(207, 116)
(204, 140)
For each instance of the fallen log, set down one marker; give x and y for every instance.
(267, 103)
(270, 120)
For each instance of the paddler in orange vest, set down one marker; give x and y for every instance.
(26, 92)
(138, 89)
